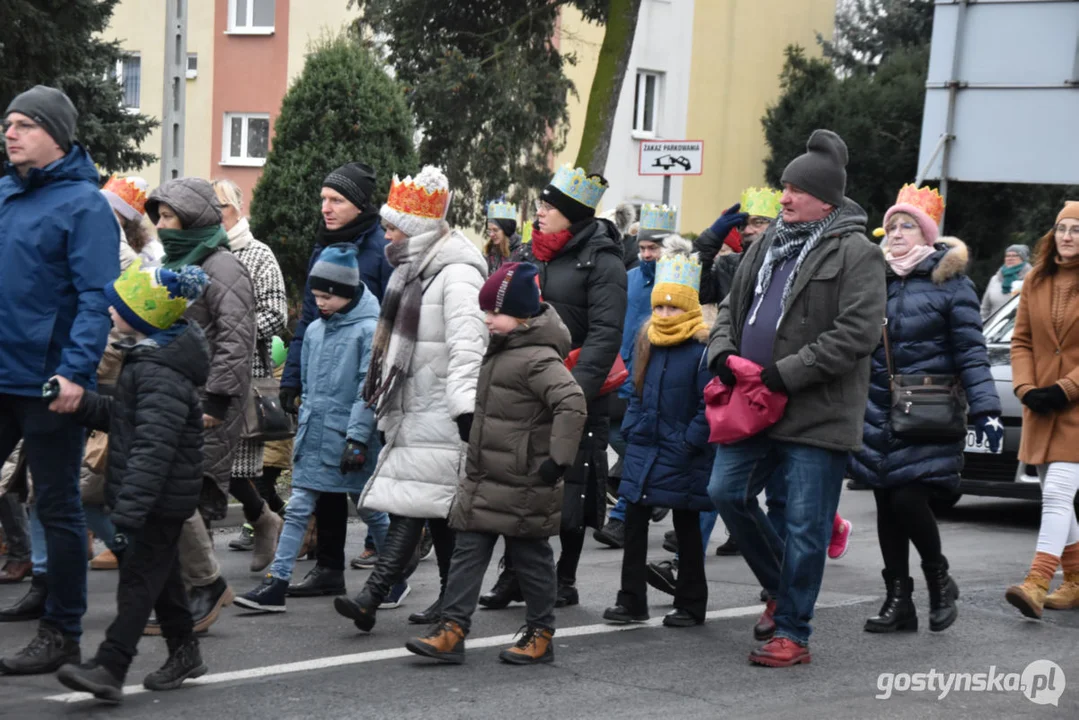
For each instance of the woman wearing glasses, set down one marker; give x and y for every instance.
(933, 328)
(1045, 374)
(1007, 281)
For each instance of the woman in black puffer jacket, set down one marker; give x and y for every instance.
(934, 327)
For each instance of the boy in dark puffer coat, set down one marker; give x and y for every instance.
(154, 473)
(668, 459)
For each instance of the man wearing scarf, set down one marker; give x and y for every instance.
(806, 305)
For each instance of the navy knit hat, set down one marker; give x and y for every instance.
(512, 290)
(355, 181)
(337, 271)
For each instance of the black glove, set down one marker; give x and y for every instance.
(464, 426)
(289, 397)
(1045, 400)
(550, 471)
(773, 380)
(720, 370)
(353, 457)
(216, 406)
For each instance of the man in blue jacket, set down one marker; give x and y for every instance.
(59, 247)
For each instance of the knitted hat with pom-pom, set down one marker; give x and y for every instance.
(152, 300)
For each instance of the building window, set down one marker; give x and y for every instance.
(646, 103)
(251, 16)
(192, 66)
(128, 73)
(246, 140)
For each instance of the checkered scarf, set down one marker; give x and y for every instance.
(794, 239)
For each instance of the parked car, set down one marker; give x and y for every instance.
(997, 474)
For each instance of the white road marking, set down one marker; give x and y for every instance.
(392, 654)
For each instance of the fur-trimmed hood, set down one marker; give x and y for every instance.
(622, 216)
(950, 260)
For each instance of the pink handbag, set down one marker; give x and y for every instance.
(741, 412)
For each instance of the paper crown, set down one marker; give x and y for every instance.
(925, 199)
(128, 190)
(154, 299)
(761, 202)
(501, 210)
(680, 270)
(412, 199)
(576, 184)
(659, 217)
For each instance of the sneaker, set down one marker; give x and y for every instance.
(427, 545)
(780, 652)
(246, 540)
(185, 662)
(267, 597)
(533, 648)
(46, 653)
(670, 542)
(397, 596)
(365, 560)
(445, 642)
(94, 678)
(840, 543)
(663, 576)
(613, 534)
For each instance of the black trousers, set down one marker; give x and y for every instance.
(266, 484)
(399, 559)
(149, 581)
(691, 590)
(331, 523)
(243, 489)
(903, 517)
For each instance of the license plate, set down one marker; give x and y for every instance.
(974, 447)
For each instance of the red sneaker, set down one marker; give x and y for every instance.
(780, 652)
(841, 530)
(765, 628)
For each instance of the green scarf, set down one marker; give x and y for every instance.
(191, 247)
(1008, 275)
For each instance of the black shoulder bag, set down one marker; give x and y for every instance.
(927, 408)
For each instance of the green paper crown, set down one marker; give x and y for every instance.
(148, 300)
(761, 202)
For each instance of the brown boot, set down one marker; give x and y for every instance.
(310, 541)
(534, 647)
(1065, 597)
(445, 642)
(1030, 596)
(267, 529)
(104, 561)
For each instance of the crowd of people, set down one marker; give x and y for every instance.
(454, 396)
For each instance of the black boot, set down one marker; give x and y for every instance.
(31, 606)
(206, 603)
(185, 661)
(943, 592)
(320, 581)
(567, 593)
(45, 654)
(897, 613)
(430, 616)
(359, 610)
(506, 589)
(94, 678)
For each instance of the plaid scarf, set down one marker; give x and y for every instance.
(794, 239)
(400, 319)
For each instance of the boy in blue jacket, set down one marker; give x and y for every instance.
(337, 443)
(668, 458)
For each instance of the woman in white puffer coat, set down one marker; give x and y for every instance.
(425, 362)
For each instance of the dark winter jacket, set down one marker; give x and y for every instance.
(154, 422)
(528, 409)
(934, 327)
(668, 459)
(59, 248)
(494, 257)
(375, 271)
(717, 271)
(829, 327)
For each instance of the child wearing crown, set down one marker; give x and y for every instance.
(668, 459)
(153, 473)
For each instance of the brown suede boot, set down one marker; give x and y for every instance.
(1029, 597)
(310, 541)
(534, 647)
(267, 529)
(445, 642)
(1065, 597)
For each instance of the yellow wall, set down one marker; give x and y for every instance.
(584, 39)
(305, 26)
(200, 124)
(737, 57)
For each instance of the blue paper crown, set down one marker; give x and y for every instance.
(659, 217)
(574, 183)
(680, 270)
(501, 210)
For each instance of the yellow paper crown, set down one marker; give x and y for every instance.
(659, 217)
(761, 202)
(150, 301)
(575, 183)
(925, 199)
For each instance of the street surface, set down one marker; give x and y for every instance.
(310, 663)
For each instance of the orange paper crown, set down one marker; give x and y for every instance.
(925, 199)
(126, 191)
(411, 199)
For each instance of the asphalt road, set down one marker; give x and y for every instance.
(310, 663)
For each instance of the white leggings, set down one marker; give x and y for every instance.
(1059, 528)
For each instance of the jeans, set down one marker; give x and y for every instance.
(533, 561)
(149, 580)
(97, 519)
(39, 554)
(53, 445)
(691, 591)
(16, 527)
(790, 569)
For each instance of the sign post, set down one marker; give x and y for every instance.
(670, 157)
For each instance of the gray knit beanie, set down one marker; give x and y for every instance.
(1022, 251)
(821, 171)
(51, 109)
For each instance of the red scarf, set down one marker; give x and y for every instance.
(545, 246)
